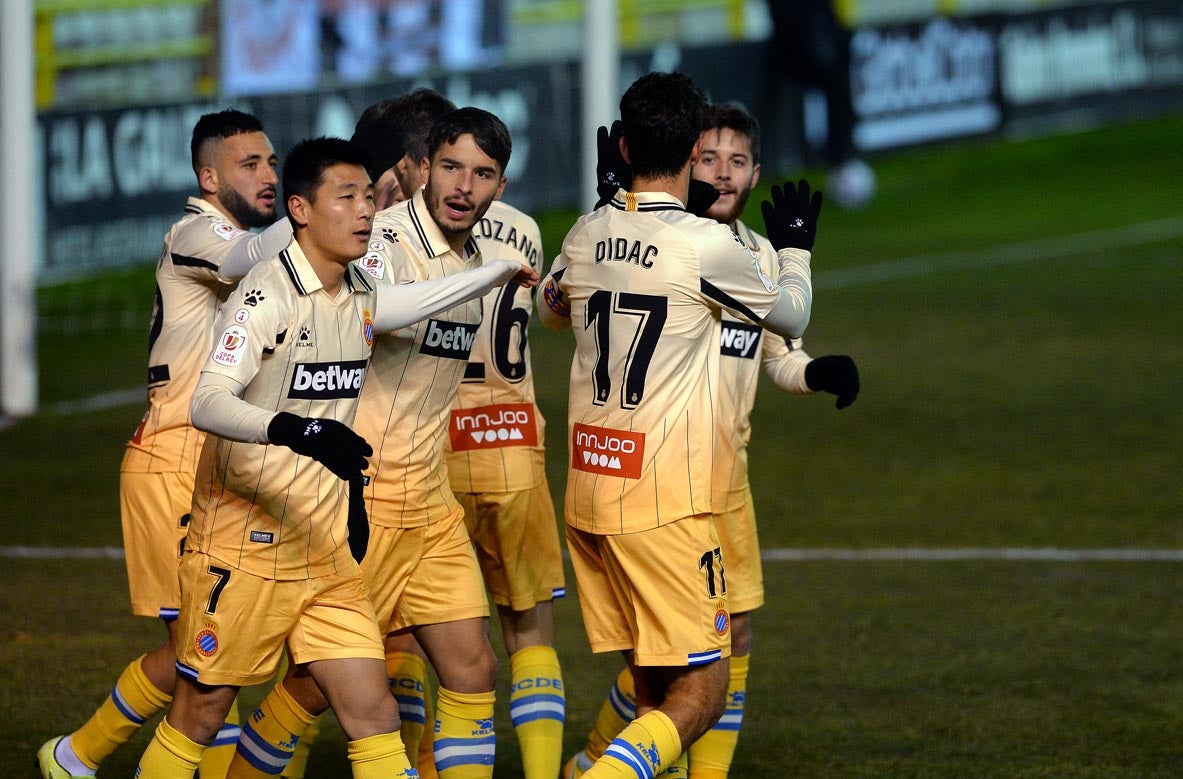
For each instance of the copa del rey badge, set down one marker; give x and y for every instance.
(230, 346)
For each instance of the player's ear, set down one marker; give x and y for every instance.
(755, 174)
(298, 210)
(424, 169)
(624, 150)
(696, 152)
(500, 188)
(207, 179)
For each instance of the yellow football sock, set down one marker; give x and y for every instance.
(380, 757)
(679, 769)
(270, 736)
(465, 743)
(170, 755)
(299, 763)
(642, 750)
(133, 701)
(616, 712)
(216, 760)
(710, 756)
(536, 710)
(407, 675)
(425, 763)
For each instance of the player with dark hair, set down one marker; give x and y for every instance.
(645, 281)
(729, 161)
(267, 562)
(420, 568)
(204, 255)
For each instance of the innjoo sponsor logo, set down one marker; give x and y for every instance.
(607, 451)
(490, 427)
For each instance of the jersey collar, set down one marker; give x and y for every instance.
(428, 233)
(304, 279)
(197, 205)
(646, 201)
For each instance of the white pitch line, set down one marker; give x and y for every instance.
(902, 554)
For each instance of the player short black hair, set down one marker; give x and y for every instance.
(222, 124)
(305, 164)
(732, 116)
(661, 117)
(410, 117)
(376, 136)
(489, 132)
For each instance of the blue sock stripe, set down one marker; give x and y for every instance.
(412, 708)
(262, 756)
(450, 752)
(227, 734)
(625, 708)
(533, 716)
(259, 744)
(532, 707)
(125, 708)
(628, 754)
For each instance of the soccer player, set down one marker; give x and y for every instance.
(267, 560)
(420, 568)
(204, 255)
(729, 161)
(642, 284)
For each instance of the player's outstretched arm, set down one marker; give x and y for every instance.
(790, 222)
(251, 248)
(400, 305)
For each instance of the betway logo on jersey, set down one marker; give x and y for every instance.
(491, 427)
(739, 339)
(607, 451)
(327, 380)
(452, 340)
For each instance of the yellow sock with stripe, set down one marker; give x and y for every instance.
(269, 736)
(170, 755)
(216, 760)
(407, 676)
(465, 743)
(616, 712)
(537, 707)
(299, 763)
(380, 757)
(133, 701)
(680, 769)
(642, 750)
(711, 755)
(425, 762)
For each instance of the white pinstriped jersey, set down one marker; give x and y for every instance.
(646, 283)
(261, 508)
(189, 287)
(414, 373)
(496, 433)
(740, 344)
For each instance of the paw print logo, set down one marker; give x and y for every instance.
(389, 235)
(305, 337)
(254, 297)
(799, 223)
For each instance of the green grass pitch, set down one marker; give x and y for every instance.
(1014, 308)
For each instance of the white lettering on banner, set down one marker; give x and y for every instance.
(504, 417)
(739, 340)
(1059, 61)
(329, 379)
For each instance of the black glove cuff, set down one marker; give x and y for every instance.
(285, 428)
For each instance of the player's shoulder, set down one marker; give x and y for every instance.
(201, 223)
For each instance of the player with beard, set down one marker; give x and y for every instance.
(204, 255)
(420, 568)
(729, 161)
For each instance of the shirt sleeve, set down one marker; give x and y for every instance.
(217, 407)
(784, 361)
(402, 305)
(200, 248)
(250, 324)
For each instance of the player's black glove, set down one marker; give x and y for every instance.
(612, 171)
(836, 374)
(790, 218)
(327, 441)
(702, 197)
(359, 523)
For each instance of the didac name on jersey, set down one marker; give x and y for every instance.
(739, 339)
(451, 340)
(327, 380)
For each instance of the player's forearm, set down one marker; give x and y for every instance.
(786, 368)
(401, 305)
(217, 409)
(790, 316)
(553, 309)
(249, 251)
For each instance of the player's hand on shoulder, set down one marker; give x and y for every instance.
(329, 442)
(612, 171)
(836, 374)
(790, 217)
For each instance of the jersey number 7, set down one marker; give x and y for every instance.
(649, 313)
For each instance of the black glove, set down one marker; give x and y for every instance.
(702, 197)
(327, 441)
(836, 374)
(359, 523)
(790, 219)
(612, 171)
